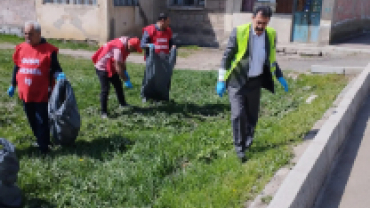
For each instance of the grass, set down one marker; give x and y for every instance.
(176, 155)
(183, 51)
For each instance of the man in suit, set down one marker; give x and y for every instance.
(248, 64)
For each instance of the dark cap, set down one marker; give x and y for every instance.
(162, 16)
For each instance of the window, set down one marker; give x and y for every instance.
(125, 3)
(87, 2)
(282, 6)
(188, 3)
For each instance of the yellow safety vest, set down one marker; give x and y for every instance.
(242, 38)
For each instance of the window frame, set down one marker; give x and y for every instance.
(72, 2)
(170, 5)
(134, 3)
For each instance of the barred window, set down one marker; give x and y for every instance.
(125, 3)
(187, 3)
(86, 2)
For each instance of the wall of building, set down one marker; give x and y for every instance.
(124, 20)
(14, 13)
(350, 17)
(280, 22)
(73, 22)
(203, 27)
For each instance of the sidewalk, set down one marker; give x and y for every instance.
(348, 185)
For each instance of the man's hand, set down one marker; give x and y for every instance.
(150, 45)
(11, 91)
(121, 69)
(283, 83)
(61, 76)
(128, 82)
(220, 88)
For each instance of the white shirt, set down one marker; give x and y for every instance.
(258, 54)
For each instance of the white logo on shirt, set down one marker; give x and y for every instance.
(30, 71)
(28, 81)
(30, 61)
(159, 47)
(162, 40)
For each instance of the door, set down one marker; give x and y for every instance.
(306, 21)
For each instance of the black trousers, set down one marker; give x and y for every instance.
(37, 115)
(105, 87)
(245, 103)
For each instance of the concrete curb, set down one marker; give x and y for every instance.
(322, 69)
(300, 188)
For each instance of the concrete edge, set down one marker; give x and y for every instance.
(323, 69)
(300, 188)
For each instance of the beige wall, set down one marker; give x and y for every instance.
(13, 14)
(73, 22)
(124, 20)
(281, 23)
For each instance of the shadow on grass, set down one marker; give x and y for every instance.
(189, 110)
(100, 148)
(37, 203)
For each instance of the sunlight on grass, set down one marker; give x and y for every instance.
(176, 155)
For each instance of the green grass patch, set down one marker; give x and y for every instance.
(176, 155)
(183, 51)
(74, 45)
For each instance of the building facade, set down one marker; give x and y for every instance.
(194, 22)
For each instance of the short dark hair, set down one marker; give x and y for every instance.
(265, 11)
(162, 16)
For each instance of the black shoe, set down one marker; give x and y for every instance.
(243, 159)
(125, 106)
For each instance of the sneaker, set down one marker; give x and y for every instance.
(104, 116)
(143, 100)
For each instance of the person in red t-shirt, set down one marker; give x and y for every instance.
(110, 65)
(159, 37)
(36, 66)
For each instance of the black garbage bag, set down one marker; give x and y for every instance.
(156, 83)
(10, 194)
(64, 117)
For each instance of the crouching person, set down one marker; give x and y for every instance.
(36, 66)
(110, 66)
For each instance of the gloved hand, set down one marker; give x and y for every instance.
(128, 84)
(283, 83)
(11, 91)
(150, 45)
(128, 77)
(220, 88)
(61, 76)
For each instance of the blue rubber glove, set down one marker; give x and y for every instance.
(151, 45)
(128, 77)
(283, 83)
(11, 91)
(220, 88)
(61, 76)
(128, 84)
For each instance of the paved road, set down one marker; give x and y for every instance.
(348, 185)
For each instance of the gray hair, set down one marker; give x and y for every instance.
(35, 24)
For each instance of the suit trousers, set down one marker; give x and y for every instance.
(245, 104)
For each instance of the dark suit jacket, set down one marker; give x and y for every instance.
(239, 76)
